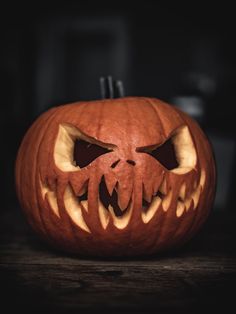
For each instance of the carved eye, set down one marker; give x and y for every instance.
(85, 152)
(177, 154)
(165, 154)
(75, 150)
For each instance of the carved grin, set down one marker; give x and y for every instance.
(108, 205)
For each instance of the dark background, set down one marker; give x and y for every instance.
(54, 53)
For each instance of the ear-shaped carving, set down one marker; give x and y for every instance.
(184, 150)
(177, 154)
(74, 150)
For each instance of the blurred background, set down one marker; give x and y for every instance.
(55, 54)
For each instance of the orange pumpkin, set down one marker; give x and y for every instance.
(126, 176)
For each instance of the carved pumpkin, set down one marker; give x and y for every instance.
(125, 176)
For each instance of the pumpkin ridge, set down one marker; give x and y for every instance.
(197, 216)
(155, 109)
(132, 195)
(21, 157)
(32, 182)
(36, 161)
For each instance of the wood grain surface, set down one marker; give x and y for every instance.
(38, 279)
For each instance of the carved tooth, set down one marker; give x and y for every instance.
(122, 203)
(122, 221)
(44, 189)
(85, 205)
(124, 190)
(51, 183)
(196, 196)
(180, 209)
(166, 201)
(103, 214)
(83, 190)
(147, 216)
(163, 187)
(124, 195)
(202, 178)
(73, 208)
(187, 203)
(79, 183)
(156, 184)
(147, 196)
(182, 191)
(111, 182)
(51, 197)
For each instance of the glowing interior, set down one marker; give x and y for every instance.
(51, 198)
(184, 150)
(121, 221)
(73, 208)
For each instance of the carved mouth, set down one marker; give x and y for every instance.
(146, 205)
(108, 206)
(110, 203)
(112, 199)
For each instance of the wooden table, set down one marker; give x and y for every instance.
(37, 279)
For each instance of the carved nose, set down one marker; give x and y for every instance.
(131, 162)
(115, 163)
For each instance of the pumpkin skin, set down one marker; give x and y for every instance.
(52, 190)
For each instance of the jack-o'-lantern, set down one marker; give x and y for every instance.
(124, 176)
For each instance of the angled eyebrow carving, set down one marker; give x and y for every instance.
(177, 153)
(164, 154)
(64, 150)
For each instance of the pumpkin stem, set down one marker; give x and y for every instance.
(111, 88)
